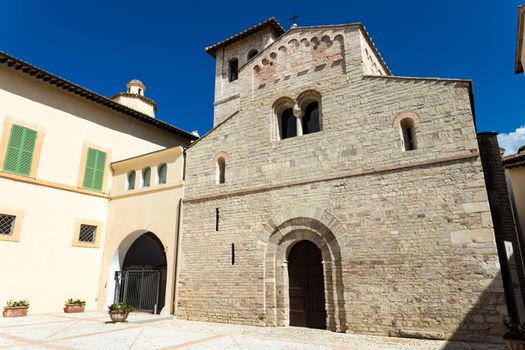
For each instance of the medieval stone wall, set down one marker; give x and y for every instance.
(226, 99)
(406, 236)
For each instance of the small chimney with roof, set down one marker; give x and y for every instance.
(134, 98)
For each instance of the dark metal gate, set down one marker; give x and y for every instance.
(139, 287)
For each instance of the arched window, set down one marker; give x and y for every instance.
(408, 132)
(311, 118)
(288, 124)
(233, 70)
(310, 104)
(221, 170)
(252, 54)
(131, 180)
(146, 176)
(162, 173)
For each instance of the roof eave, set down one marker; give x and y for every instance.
(270, 22)
(140, 97)
(69, 87)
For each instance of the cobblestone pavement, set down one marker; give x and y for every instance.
(91, 331)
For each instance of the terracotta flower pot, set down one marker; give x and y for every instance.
(118, 316)
(72, 308)
(515, 344)
(15, 311)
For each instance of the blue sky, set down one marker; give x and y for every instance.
(103, 44)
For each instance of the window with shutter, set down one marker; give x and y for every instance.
(94, 171)
(20, 149)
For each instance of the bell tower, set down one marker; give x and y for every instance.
(230, 56)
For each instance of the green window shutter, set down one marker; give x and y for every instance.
(13, 149)
(94, 172)
(98, 178)
(20, 150)
(26, 156)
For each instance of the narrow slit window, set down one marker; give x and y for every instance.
(233, 70)
(233, 253)
(221, 170)
(217, 219)
(409, 137)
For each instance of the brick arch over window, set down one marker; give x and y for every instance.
(279, 236)
(411, 115)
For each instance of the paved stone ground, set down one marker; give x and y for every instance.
(90, 331)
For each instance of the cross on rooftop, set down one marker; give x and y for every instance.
(293, 19)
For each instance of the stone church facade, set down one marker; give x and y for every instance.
(318, 147)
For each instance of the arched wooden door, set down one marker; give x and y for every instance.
(306, 283)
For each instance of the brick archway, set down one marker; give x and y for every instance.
(320, 228)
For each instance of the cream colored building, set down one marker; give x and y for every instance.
(515, 173)
(318, 152)
(59, 143)
(136, 210)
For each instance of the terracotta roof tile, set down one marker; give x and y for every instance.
(270, 22)
(514, 160)
(39, 74)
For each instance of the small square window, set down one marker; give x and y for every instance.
(7, 224)
(87, 233)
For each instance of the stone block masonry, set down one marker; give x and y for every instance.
(406, 237)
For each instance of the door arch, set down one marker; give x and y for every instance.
(306, 286)
(139, 272)
(146, 251)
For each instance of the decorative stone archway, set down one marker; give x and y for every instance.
(281, 233)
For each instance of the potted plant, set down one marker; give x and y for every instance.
(16, 308)
(73, 305)
(514, 335)
(119, 312)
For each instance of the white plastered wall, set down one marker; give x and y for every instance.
(44, 267)
(132, 213)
